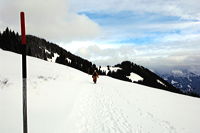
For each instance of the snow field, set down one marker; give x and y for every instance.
(62, 99)
(134, 77)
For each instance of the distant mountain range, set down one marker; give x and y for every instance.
(187, 81)
(127, 71)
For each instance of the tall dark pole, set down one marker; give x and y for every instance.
(24, 74)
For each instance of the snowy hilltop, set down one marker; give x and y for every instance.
(40, 48)
(129, 71)
(62, 99)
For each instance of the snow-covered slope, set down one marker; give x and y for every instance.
(134, 77)
(64, 100)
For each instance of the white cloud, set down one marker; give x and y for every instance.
(101, 53)
(49, 19)
(159, 32)
(187, 9)
(157, 57)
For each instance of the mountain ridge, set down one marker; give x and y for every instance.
(187, 81)
(40, 48)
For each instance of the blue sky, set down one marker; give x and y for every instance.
(126, 22)
(157, 34)
(153, 33)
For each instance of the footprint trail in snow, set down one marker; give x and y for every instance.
(95, 112)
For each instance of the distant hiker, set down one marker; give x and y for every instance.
(95, 76)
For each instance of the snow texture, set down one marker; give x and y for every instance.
(68, 60)
(177, 72)
(112, 69)
(47, 51)
(173, 82)
(64, 100)
(160, 82)
(53, 58)
(135, 77)
(189, 86)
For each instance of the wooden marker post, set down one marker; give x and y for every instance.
(24, 72)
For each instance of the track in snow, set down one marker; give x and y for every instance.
(96, 112)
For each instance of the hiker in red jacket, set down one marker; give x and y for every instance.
(95, 76)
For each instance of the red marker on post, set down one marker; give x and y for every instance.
(23, 31)
(24, 72)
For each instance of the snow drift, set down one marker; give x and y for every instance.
(62, 99)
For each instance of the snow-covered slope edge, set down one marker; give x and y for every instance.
(43, 49)
(62, 99)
